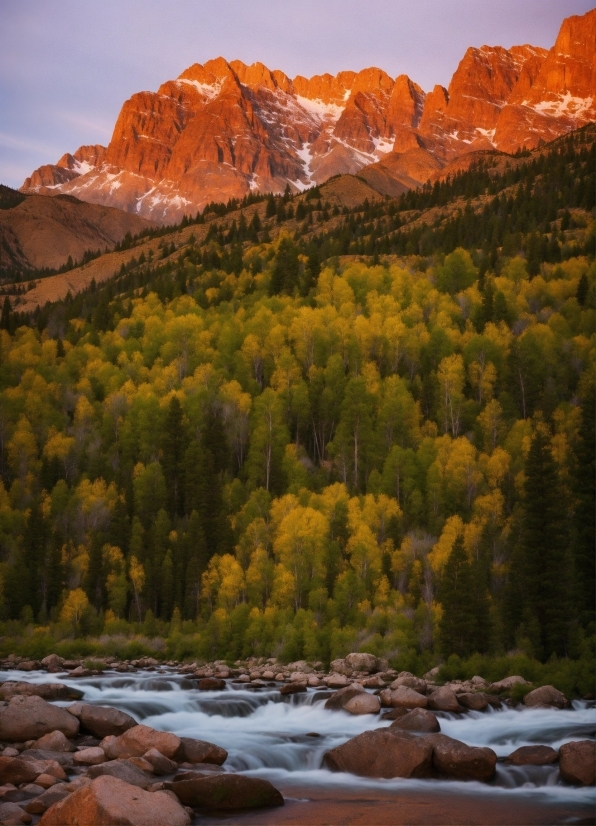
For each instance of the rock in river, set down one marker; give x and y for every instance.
(419, 719)
(108, 801)
(455, 759)
(384, 752)
(226, 791)
(577, 762)
(29, 718)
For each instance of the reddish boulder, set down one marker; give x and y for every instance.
(363, 704)
(546, 695)
(419, 719)
(108, 801)
(16, 770)
(211, 684)
(339, 698)
(102, 721)
(123, 770)
(402, 697)
(443, 699)
(200, 751)
(474, 701)
(384, 753)
(577, 762)
(28, 718)
(139, 739)
(533, 756)
(54, 741)
(226, 791)
(455, 759)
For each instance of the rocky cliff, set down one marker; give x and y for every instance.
(222, 130)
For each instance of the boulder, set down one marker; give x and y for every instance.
(48, 691)
(16, 770)
(336, 680)
(11, 813)
(577, 762)
(432, 675)
(402, 697)
(90, 757)
(62, 758)
(362, 662)
(211, 684)
(53, 662)
(123, 770)
(226, 791)
(340, 666)
(40, 804)
(546, 695)
(142, 764)
(29, 718)
(474, 701)
(200, 751)
(507, 684)
(101, 720)
(443, 699)
(46, 780)
(300, 665)
(410, 681)
(383, 752)
(108, 801)
(395, 713)
(419, 719)
(533, 756)
(293, 688)
(159, 763)
(339, 698)
(363, 704)
(54, 741)
(455, 759)
(139, 739)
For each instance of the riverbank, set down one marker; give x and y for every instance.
(311, 806)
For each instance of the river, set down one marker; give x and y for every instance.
(283, 738)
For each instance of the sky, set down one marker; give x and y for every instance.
(66, 66)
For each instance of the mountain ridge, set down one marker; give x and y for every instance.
(221, 130)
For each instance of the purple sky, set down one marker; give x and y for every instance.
(66, 66)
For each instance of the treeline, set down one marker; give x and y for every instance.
(379, 463)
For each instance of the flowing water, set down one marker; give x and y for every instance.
(283, 738)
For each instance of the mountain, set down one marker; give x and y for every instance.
(38, 232)
(222, 130)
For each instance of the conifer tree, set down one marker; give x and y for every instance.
(457, 631)
(584, 535)
(173, 446)
(540, 570)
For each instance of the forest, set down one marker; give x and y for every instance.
(321, 431)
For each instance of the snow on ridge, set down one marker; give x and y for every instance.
(82, 167)
(320, 110)
(564, 105)
(208, 90)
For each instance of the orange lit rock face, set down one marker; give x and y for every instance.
(223, 129)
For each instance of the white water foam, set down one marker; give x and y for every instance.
(270, 736)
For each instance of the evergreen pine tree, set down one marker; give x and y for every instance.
(584, 535)
(540, 570)
(457, 630)
(173, 445)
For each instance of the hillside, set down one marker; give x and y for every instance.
(39, 232)
(295, 427)
(223, 130)
(346, 216)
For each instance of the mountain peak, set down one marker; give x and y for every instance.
(223, 129)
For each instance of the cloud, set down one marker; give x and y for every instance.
(87, 123)
(27, 145)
